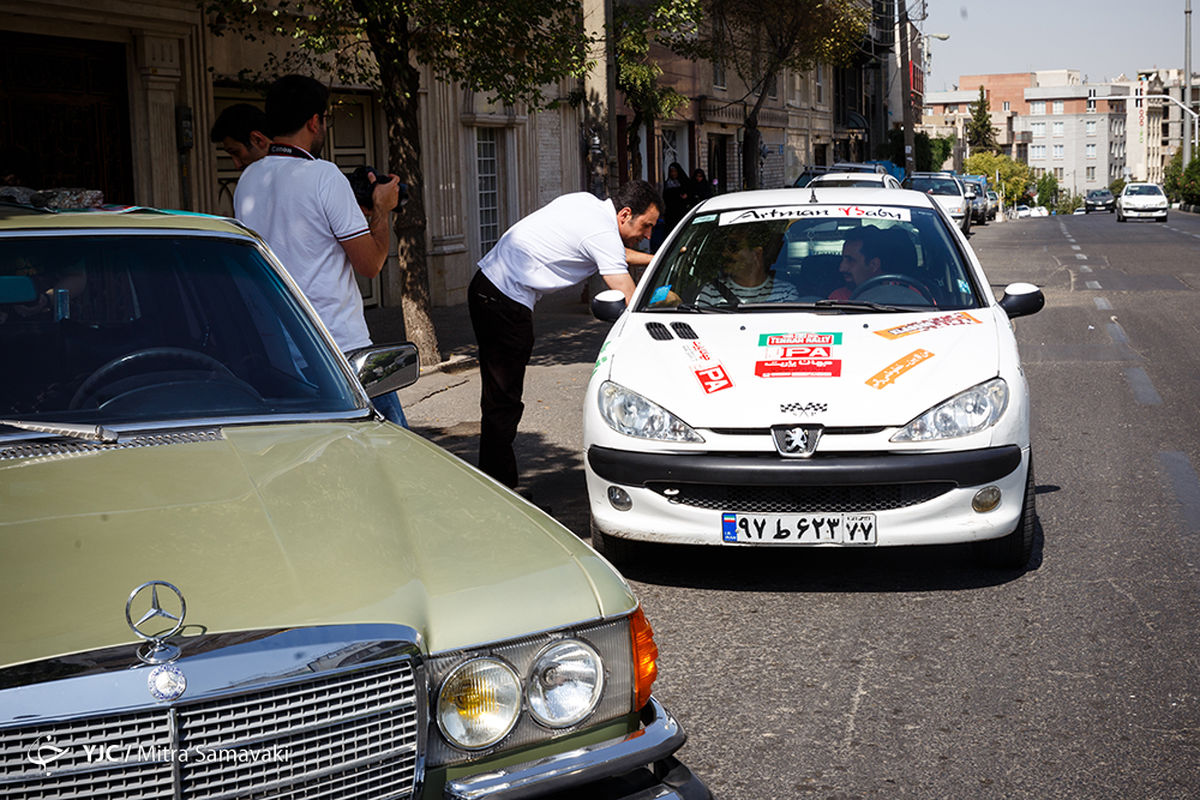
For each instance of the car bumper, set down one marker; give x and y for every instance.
(640, 766)
(917, 498)
(1150, 213)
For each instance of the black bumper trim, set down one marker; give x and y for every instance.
(966, 468)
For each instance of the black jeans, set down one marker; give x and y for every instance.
(504, 332)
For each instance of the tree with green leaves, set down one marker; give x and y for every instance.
(759, 39)
(1047, 190)
(1173, 175)
(636, 25)
(507, 49)
(1117, 186)
(980, 133)
(1013, 182)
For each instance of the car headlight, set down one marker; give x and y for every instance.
(479, 703)
(972, 411)
(629, 413)
(565, 684)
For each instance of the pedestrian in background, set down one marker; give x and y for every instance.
(555, 247)
(304, 208)
(241, 131)
(677, 195)
(702, 187)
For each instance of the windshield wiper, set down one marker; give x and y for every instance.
(859, 305)
(689, 308)
(91, 433)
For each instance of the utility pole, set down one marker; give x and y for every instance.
(906, 89)
(1187, 81)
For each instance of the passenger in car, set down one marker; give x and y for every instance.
(745, 278)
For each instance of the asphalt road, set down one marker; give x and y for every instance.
(888, 673)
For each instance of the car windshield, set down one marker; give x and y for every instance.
(1145, 188)
(124, 328)
(847, 182)
(1099, 193)
(786, 257)
(943, 186)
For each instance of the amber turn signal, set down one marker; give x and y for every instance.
(645, 658)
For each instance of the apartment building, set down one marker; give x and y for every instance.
(1146, 136)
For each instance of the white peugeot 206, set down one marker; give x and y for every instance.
(821, 367)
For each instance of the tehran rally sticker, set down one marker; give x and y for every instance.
(887, 376)
(708, 371)
(930, 324)
(891, 213)
(799, 355)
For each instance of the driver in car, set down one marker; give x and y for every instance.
(862, 259)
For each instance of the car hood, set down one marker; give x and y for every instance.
(282, 526)
(1144, 201)
(744, 370)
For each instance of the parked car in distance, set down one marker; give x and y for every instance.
(754, 395)
(993, 204)
(1099, 200)
(862, 180)
(977, 184)
(1142, 201)
(1023, 211)
(236, 579)
(1079, 211)
(948, 191)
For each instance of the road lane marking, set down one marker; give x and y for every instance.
(1092, 284)
(1102, 304)
(1081, 256)
(1085, 268)
(1076, 247)
(1186, 486)
(1143, 390)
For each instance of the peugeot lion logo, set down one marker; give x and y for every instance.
(157, 624)
(796, 441)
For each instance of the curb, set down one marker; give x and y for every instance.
(456, 363)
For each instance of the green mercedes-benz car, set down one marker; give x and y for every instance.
(223, 574)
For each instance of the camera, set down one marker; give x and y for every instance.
(364, 190)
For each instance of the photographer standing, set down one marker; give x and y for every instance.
(304, 208)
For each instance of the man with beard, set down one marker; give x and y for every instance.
(304, 208)
(555, 247)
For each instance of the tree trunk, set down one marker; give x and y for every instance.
(401, 83)
(751, 139)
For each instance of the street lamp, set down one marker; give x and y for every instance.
(925, 48)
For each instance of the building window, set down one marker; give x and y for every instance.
(820, 85)
(1058, 128)
(1007, 106)
(1091, 173)
(1037, 128)
(1058, 151)
(773, 86)
(928, 111)
(1091, 150)
(951, 108)
(1058, 106)
(1091, 106)
(1090, 127)
(1037, 151)
(718, 75)
(1037, 108)
(487, 164)
(1058, 173)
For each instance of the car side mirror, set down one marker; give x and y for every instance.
(1022, 299)
(970, 194)
(385, 368)
(608, 305)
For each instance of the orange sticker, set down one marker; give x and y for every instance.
(887, 376)
(930, 324)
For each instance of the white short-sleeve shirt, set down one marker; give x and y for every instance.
(304, 208)
(555, 247)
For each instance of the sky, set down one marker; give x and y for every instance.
(1100, 38)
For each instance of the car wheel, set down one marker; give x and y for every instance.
(618, 551)
(1013, 551)
(1120, 217)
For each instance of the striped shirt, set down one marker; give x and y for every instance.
(766, 292)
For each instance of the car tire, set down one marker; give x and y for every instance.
(1120, 217)
(1014, 550)
(618, 551)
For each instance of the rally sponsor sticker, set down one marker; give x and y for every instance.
(929, 324)
(887, 376)
(709, 371)
(890, 213)
(799, 355)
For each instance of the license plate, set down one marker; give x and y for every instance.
(799, 529)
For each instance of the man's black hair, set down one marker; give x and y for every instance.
(291, 101)
(638, 196)
(874, 243)
(237, 121)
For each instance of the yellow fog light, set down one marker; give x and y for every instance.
(986, 499)
(479, 703)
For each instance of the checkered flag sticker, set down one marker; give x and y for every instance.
(803, 409)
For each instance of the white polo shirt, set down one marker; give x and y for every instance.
(555, 247)
(304, 208)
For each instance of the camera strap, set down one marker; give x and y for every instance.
(277, 149)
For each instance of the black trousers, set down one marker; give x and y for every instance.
(504, 332)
